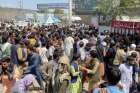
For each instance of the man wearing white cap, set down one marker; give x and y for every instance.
(101, 51)
(135, 54)
(132, 49)
(104, 44)
(68, 46)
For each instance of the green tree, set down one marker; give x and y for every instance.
(112, 8)
(104, 8)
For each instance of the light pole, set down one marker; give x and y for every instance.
(20, 9)
(70, 11)
(20, 4)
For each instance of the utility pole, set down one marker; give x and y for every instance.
(20, 9)
(20, 4)
(70, 11)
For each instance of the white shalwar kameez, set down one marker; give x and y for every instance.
(126, 77)
(68, 46)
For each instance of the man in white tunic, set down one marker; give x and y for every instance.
(126, 74)
(68, 46)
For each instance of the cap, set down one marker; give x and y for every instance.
(132, 46)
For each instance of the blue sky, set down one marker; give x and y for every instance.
(28, 4)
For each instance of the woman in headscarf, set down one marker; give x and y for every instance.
(22, 85)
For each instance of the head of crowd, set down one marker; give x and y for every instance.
(68, 59)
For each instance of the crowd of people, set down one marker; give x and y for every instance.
(69, 59)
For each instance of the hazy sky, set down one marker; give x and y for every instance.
(28, 4)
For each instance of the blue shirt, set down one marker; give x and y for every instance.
(110, 89)
(34, 62)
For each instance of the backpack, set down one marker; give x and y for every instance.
(21, 54)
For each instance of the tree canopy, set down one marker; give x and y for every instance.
(115, 7)
(110, 9)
